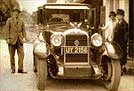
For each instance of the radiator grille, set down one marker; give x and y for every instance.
(70, 39)
(76, 58)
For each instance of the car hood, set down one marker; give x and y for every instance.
(59, 27)
(66, 29)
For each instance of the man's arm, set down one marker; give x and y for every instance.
(23, 30)
(7, 27)
(127, 34)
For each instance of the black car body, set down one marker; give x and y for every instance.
(69, 48)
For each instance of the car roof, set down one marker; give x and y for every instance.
(66, 6)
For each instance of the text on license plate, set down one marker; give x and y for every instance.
(76, 50)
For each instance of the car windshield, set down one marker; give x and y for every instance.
(66, 16)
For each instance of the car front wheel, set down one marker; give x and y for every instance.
(111, 74)
(42, 73)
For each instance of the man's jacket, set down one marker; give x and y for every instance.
(121, 33)
(15, 30)
(121, 37)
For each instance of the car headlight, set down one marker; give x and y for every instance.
(96, 39)
(56, 39)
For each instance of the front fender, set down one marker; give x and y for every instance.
(112, 50)
(40, 50)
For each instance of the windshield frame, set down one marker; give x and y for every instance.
(66, 10)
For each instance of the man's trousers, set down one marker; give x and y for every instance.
(12, 48)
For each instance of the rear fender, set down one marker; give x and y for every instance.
(112, 50)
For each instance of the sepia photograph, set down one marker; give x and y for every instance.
(66, 45)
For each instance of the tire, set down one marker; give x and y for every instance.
(112, 74)
(42, 74)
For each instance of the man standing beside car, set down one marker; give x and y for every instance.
(121, 35)
(15, 38)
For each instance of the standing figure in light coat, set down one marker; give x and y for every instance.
(109, 29)
(16, 35)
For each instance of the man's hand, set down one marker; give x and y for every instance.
(24, 40)
(8, 41)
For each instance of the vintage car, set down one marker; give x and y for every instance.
(68, 47)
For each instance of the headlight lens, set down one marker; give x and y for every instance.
(56, 39)
(96, 40)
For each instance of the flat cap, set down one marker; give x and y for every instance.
(16, 9)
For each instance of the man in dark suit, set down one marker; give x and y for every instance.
(15, 38)
(121, 35)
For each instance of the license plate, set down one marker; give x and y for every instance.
(76, 50)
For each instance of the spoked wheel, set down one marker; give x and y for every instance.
(42, 73)
(111, 74)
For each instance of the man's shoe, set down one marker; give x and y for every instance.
(13, 71)
(122, 73)
(21, 71)
(123, 70)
